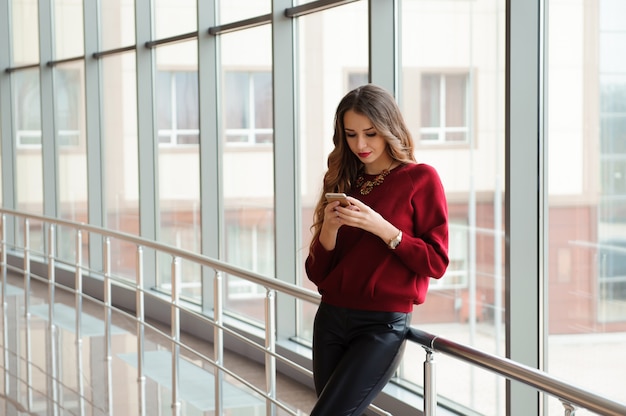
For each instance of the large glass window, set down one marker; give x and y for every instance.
(586, 137)
(68, 28)
(333, 59)
(71, 150)
(248, 107)
(25, 32)
(178, 116)
(118, 23)
(119, 147)
(177, 107)
(174, 17)
(452, 93)
(444, 112)
(248, 165)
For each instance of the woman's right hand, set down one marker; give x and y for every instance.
(330, 226)
(332, 222)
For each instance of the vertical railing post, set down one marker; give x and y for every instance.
(51, 276)
(218, 339)
(5, 308)
(270, 347)
(570, 409)
(107, 326)
(53, 369)
(27, 269)
(29, 355)
(78, 301)
(140, 313)
(175, 318)
(430, 385)
(78, 286)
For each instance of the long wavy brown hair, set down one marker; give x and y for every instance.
(381, 109)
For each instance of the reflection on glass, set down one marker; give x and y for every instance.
(120, 163)
(68, 28)
(248, 167)
(71, 150)
(587, 196)
(174, 17)
(27, 110)
(28, 155)
(236, 10)
(25, 32)
(117, 23)
(333, 59)
(451, 94)
(178, 116)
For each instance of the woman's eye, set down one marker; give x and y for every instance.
(350, 135)
(371, 134)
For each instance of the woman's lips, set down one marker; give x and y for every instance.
(364, 155)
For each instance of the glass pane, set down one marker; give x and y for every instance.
(68, 28)
(586, 136)
(456, 100)
(187, 111)
(164, 101)
(71, 150)
(179, 166)
(28, 163)
(327, 46)
(236, 10)
(174, 17)
(441, 42)
(120, 164)
(248, 177)
(237, 106)
(117, 23)
(25, 36)
(263, 114)
(430, 102)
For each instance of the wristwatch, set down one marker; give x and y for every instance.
(393, 243)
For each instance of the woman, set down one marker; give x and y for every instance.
(372, 260)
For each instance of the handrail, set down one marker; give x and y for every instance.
(293, 290)
(520, 372)
(568, 393)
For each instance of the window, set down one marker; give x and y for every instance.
(68, 106)
(456, 275)
(27, 109)
(444, 108)
(177, 107)
(248, 108)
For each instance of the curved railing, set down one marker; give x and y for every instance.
(571, 396)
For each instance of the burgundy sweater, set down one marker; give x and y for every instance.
(362, 272)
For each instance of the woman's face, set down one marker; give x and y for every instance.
(365, 142)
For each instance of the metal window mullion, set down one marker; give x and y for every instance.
(287, 191)
(211, 146)
(384, 55)
(48, 140)
(93, 132)
(146, 132)
(6, 115)
(525, 184)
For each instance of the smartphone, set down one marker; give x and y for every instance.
(341, 197)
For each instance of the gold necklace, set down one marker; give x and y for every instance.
(365, 187)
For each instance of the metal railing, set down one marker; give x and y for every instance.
(571, 396)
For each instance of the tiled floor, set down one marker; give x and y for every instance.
(55, 373)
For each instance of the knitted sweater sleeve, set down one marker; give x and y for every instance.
(424, 249)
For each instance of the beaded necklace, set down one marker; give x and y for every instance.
(365, 187)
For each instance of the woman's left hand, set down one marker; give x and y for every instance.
(362, 216)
